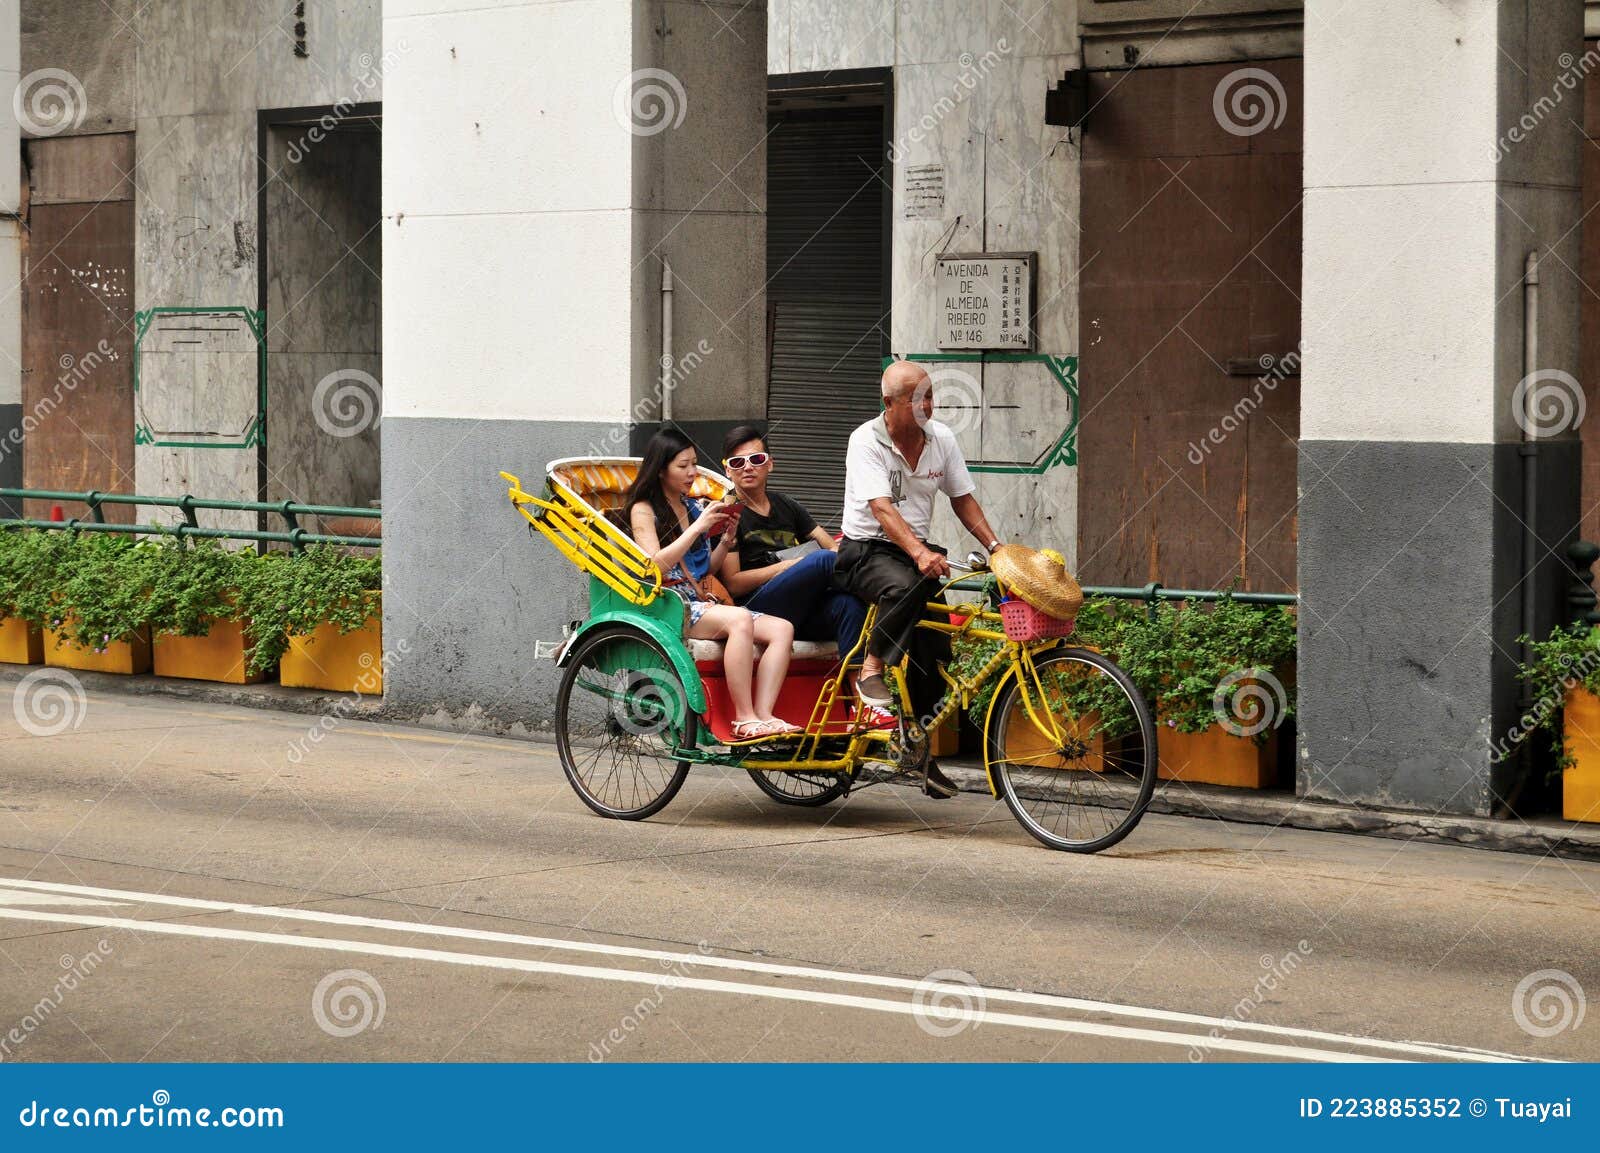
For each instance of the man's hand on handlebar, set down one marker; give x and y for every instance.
(932, 564)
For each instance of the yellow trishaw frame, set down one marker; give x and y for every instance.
(587, 538)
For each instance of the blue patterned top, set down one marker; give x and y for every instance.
(698, 559)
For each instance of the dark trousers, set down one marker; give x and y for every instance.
(805, 595)
(881, 573)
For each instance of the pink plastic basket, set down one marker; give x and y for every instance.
(1023, 622)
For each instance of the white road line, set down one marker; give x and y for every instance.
(22, 897)
(673, 981)
(1044, 1000)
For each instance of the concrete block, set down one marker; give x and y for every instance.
(1031, 191)
(508, 317)
(718, 262)
(1399, 292)
(167, 64)
(778, 17)
(1543, 66)
(1408, 620)
(1401, 94)
(716, 159)
(479, 103)
(464, 585)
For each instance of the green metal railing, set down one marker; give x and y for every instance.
(1155, 592)
(291, 512)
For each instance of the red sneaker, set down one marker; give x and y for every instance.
(870, 716)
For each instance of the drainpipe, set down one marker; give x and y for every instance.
(667, 361)
(1529, 450)
(1530, 446)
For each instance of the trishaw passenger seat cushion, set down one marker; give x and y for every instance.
(704, 650)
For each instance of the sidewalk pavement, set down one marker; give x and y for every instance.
(1540, 836)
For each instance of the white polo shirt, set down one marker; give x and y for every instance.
(874, 468)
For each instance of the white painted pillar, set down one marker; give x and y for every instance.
(539, 161)
(1441, 146)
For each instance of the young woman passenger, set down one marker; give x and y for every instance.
(676, 531)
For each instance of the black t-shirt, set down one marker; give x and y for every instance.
(786, 524)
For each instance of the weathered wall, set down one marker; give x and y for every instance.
(203, 72)
(970, 78)
(96, 44)
(324, 259)
(188, 79)
(969, 89)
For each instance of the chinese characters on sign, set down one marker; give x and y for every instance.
(925, 192)
(986, 301)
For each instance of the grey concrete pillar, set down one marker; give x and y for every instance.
(539, 161)
(1441, 147)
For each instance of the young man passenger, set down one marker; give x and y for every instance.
(799, 589)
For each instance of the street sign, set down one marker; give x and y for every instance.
(986, 300)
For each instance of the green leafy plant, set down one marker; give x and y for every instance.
(193, 585)
(286, 594)
(1100, 623)
(102, 591)
(1226, 661)
(1569, 659)
(1178, 655)
(31, 562)
(101, 588)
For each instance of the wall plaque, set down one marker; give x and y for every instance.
(986, 300)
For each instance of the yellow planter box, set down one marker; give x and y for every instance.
(1580, 783)
(945, 741)
(1025, 744)
(1217, 757)
(352, 663)
(217, 656)
(125, 657)
(20, 642)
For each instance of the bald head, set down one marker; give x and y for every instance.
(907, 399)
(901, 379)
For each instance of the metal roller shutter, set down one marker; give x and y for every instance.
(825, 252)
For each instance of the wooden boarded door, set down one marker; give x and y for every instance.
(77, 319)
(1190, 281)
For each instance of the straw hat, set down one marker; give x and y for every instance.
(1039, 577)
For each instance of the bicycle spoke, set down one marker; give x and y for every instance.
(617, 727)
(1071, 789)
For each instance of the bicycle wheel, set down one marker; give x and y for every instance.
(808, 790)
(1086, 790)
(621, 713)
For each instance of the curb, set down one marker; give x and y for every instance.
(1540, 836)
(309, 702)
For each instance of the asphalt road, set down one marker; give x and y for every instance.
(182, 882)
